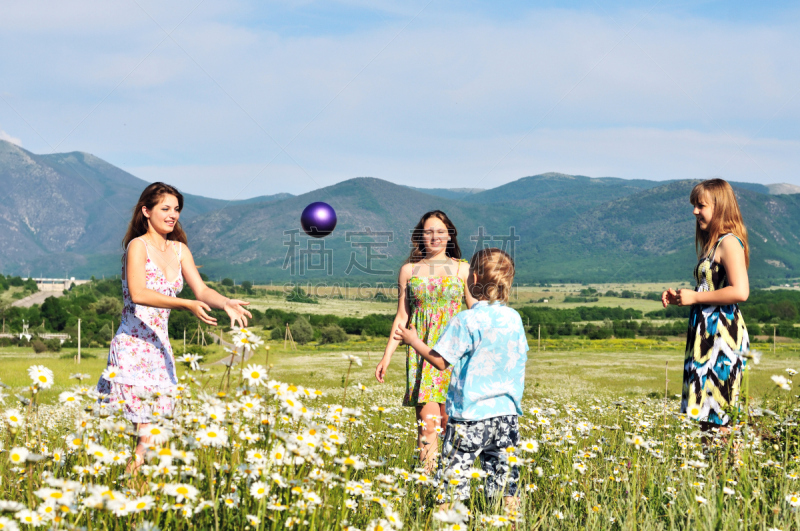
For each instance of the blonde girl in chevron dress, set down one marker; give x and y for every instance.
(717, 340)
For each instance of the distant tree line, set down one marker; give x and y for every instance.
(99, 304)
(27, 285)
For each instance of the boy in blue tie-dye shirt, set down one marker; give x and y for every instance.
(487, 347)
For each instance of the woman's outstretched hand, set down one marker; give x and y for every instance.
(199, 309)
(669, 296)
(382, 369)
(237, 314)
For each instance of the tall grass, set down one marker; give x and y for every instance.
(341, 460)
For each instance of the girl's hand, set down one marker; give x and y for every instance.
(199, 309)
(382, 369)
(686, 297)
(237, 314)
(406, 335)
(669, 297)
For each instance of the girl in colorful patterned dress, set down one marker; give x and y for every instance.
(141, 368)
(717, 340)
(431, 289)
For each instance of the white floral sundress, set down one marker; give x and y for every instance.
(140, 351)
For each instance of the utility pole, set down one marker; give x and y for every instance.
(773, 340)
(79, 341)
(539, 341)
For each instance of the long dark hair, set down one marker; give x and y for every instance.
(150, 198)
(418, 245)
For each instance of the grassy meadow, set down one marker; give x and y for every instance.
(307, 439)
(355, 300)
(572, 368)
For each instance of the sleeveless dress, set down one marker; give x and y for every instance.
(715, 344)
(433, 301)
(140, 351)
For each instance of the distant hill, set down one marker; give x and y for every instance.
(569, 229)
(67, 213)
(650, 235)
(264, 199)
(449, 193)
(251, 239)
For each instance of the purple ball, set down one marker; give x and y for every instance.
(318, 219)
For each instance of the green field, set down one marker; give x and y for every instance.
(357, 301)
(593, 398)
(353, 459)
(564, 367)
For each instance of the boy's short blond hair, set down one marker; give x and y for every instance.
(495, 269)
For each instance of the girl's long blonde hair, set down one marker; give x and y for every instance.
(495, 269)
(727, 216)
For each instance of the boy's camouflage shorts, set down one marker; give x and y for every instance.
(487, 439)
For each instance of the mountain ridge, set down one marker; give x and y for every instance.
(67, 212)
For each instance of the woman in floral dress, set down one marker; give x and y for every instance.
(431, 290)
(140, 375)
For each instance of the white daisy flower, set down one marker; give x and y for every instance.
(181, 491)
(782, 382)
(14, 418)
(110, 374)
(18, 455)
(793, 499)
(68, 398)
(255, 374)
(212, 436)
(157, 434)
(352, 359)
(259, 490)
(42, 376)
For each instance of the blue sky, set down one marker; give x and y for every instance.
(239, 99)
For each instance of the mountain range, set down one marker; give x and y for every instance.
(66, 213)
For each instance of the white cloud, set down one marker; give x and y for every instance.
(5, 136)
(441, 101)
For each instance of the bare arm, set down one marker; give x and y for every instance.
(463, 274)
(401, 318)
(209, 296)
(731, 256)
(409, 337)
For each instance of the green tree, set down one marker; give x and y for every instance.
(53, 312)
(298, 294)
(332, 334)
(30, 285)
(107, 306)
(105, 333)
(301, 330)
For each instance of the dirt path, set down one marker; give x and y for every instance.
(233, 358)
(36, 298)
